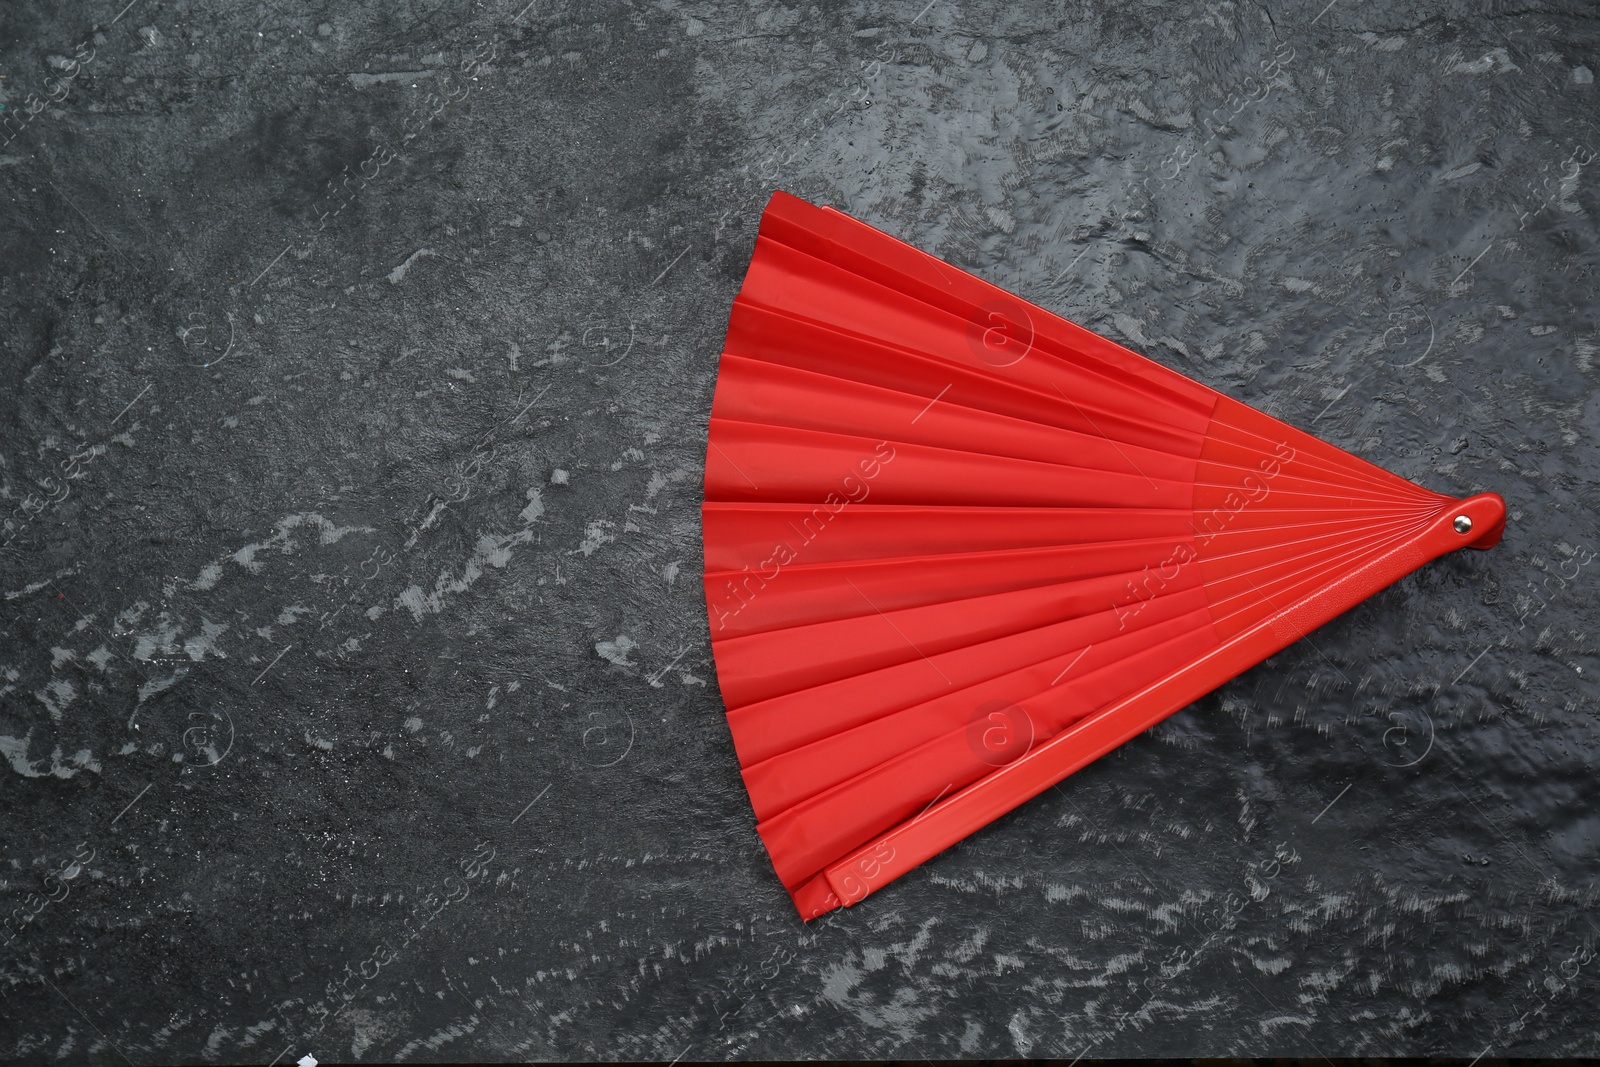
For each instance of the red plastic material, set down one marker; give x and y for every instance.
(957, 547)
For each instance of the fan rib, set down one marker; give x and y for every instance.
(806, 837)
(738, 533)
(784, 277)
(1230, 418)
(750, 601)
(873, 254)
(776, 724)
(785, 780)
(773, 394)
(776, 336)
(759, 461)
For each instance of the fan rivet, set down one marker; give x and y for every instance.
(1463, 524)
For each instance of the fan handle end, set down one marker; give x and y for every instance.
(1484, 515)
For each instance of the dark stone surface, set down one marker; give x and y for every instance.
(355, 694)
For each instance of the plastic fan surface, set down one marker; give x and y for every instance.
(957, 547)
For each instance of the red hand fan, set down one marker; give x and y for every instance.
(957, 547)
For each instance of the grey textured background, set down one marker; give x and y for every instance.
(355, 693)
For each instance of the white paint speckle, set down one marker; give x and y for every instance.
(1382, 44)
(595, 534)
(1494, 61)
(1019, 1035)
(57, 696)
(205, 643)
(282, 539)
(491, 550)
(398, 275)
(208, 577)
(291, 614)
(617, 651)
(15, 752)
(156, 686)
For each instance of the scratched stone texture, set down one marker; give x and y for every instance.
(355, 691)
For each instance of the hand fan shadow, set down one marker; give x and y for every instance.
(957, 547)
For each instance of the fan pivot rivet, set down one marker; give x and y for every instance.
(1463, 524)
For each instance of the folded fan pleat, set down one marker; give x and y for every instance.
(736, 533)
